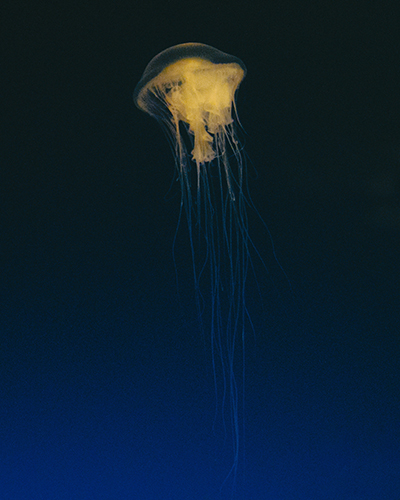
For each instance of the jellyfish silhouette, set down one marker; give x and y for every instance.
(190, 90)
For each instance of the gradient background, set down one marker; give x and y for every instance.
(105, 388)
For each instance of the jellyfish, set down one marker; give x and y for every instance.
(190, 89)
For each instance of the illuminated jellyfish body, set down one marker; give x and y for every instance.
(190, 89)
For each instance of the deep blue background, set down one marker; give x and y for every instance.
(106, 390)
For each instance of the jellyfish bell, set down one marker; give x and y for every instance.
(195, 84)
